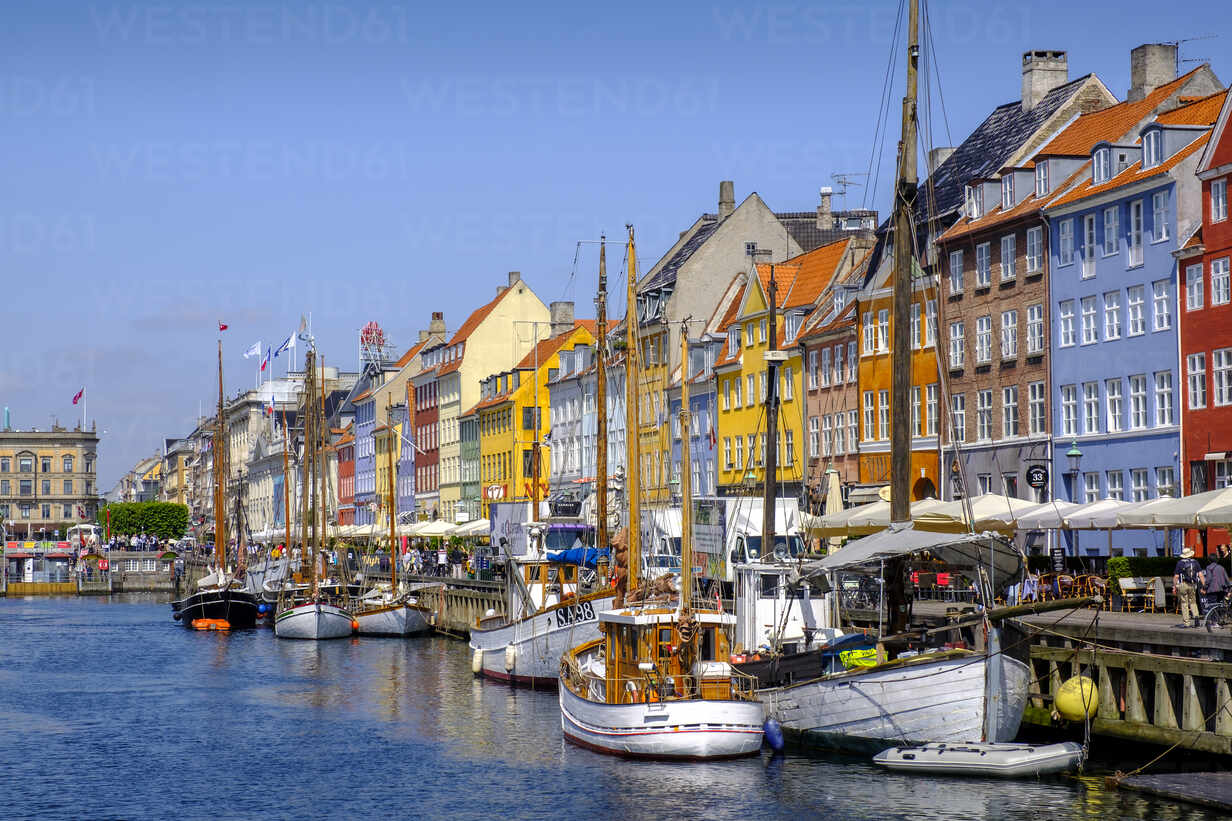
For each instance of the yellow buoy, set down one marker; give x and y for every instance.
(1077, 698)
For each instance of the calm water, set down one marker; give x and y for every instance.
(112, 710)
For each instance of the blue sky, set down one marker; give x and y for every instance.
(168, 165)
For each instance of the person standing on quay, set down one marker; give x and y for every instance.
(1185, 582)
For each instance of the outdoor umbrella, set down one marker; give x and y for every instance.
(1048, 516)
(990, 511)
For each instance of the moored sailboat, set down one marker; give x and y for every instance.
(657, 683)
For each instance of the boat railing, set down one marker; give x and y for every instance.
(652, 687)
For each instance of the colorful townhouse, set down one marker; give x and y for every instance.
(995, 282)
(1115, 368)
(346, 476)
(574, 421)
(1205, 322)
(492, 339)
(513, 410)
(827, 345)
(425, 416)
(703, 435)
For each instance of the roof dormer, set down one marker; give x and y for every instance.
(1016, 185)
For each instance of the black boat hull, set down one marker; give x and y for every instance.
(237, 607)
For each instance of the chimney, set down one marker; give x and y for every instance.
(1151, 65)
(1042, 71)
(937, 156)
(514, 278)
(825, 217)
(727, 199)
(562, 317)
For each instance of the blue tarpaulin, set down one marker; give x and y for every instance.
(585, 556)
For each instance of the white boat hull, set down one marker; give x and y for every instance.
(393, 620)
(686, 729)
(915, 703)
(995, 760)
(537, 643)
(313, 621)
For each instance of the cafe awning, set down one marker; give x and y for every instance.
(961, 552)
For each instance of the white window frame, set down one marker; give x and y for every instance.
(1112, 228)
(1007, 191)
(1152, 145)
(1092, 412)
(1195, 380)
(983, 415)
(1159, 215)
(1137, 401)
(1065, 323)
(1161, 306)
(815, 447)
(1008, 254)
(869, 332)
(1090, 487)
(931, 399)
(883, 330)
(1065, 242)
(1037, 408)
(883, 415)
(1140, 484)
(1194, 290)
(1114, 405)
(1165, 414)
(983, 265)
(958, 416)
(870, 417)
(1035, 328)
(1135, 234)
(915, 326)
(917, 412)
(1041, 178)
(1112, 315)
(958, 348)
(1035, 249)
(1135, 300)
(930, 323)
(1088, 246)
(1009, 411)
(983, 339)
(1116, 485)
(956, 272)
(1221, 377)
(1090, 328)
(1009, 335)
(1221, 283)
(1101, 166)
(1219, 200)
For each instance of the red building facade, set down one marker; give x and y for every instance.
(346, 477)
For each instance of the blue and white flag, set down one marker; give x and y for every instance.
(253, 350)
(286, 346)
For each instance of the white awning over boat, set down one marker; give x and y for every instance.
(964, 551)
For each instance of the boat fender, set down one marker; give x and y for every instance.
(354, 626)
(177, 615)
(477, 662)
(1077, 699)
(511, 657)
(263, 608)
(774, 734)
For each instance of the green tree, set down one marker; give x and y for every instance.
(164, 520)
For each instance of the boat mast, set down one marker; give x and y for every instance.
(772, 422)
(220, 479)
(393, 500)
(900, 400)
(633, 485)
(601, 537)
(686, 482)
(306, 551)
(286, 488)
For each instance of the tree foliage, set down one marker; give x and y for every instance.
(165, 520)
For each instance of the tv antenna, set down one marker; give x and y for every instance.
(845, 180)
(1178, 44)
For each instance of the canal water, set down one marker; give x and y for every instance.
(109, 709)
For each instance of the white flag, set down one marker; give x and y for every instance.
(255, 350)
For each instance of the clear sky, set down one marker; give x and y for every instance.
(168, 165)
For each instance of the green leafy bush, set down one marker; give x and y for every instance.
(164, 520)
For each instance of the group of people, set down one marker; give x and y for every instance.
(1197, 588)
(425, 560)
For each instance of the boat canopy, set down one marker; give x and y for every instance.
(586, 556)
(962, 551)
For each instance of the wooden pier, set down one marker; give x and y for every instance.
(458, 603)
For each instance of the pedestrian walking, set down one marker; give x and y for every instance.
(1186, 580)
(1215, 586)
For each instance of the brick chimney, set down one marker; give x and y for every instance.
(562, 317)
(1151, 65)
(436, 326)
(727, 199)
(1042, 71)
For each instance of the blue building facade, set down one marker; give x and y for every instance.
(400, 416)
(703, 453)
(1115, 381)
(365, 460)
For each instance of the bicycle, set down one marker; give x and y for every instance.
(1220, 614)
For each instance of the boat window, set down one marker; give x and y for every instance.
(784, 545)
(769, 585)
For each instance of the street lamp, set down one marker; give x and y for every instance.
(1074, 457)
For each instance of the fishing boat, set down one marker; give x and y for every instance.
(547, 610)
(657, 682)
(387, 610)
(989, 760)
(312, 611)
(221, 597)
(901, 690)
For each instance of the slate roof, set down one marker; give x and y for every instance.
(666, 275)
(802, 225)
(988, 148)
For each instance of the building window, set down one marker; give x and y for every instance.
(762, 382)
(883, 330)
(983, 265)
(851, 362)
(1220, 292)
(1152, 154)
(814, 433)
(851, 429)
(1195, 371)
(1162, 305)
(870, 340)
(1035, 249)
(1102, 165)
(870, 415)
(1137, 401)
(1007, 257)
(1112, 315)
(1116, 485)
(1163, 399)
(1139, 484)
(837, 375)
(985, 482)
(68, 487)
(883, 415)
(67, 462)
(1137, 310)
(1035, 329)
(789, 448)
(1088, 246)
(1009, 334)
(1112, 221)
(1009, 411)
(839, 444)
(957, 346)
(750, 394)
(1090, 407)
(1066, 316)
(1036, 410)
(1219, 200)
(1116, 411)
(958, 416)
(1041, 178)
(1090, 334)
(739, 453)
(1065, 250)
(761, 331)
(983, 415)
(1165, 481)
(1007, 192)
(1009, 484)
(1069, 410)
(917, 422)
(1193, 287)
(956, 272)
(789, 384)
(1221, 376)
(1159, 214)
(915, 325)
(1135, 233)
(983, 339)
(930, 323)
(1090, 487)
(812, 369)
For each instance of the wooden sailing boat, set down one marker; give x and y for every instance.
(220, 602)
(657, 682)
(390, 611)
(317, 614)
(526, 646)
(929, 694)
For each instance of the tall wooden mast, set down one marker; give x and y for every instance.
(601, 536)
(220, 477)
(306, 552)
(286, 490)
(686, 482)
(772, 422)
(393, 499)
(633, 466)
(900, 397)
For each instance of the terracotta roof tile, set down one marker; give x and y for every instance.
(1110, 123)
(1196, 111)
(1132, 174)
(551, 345)
(409, 355)
(802, 279)
(363, 396)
